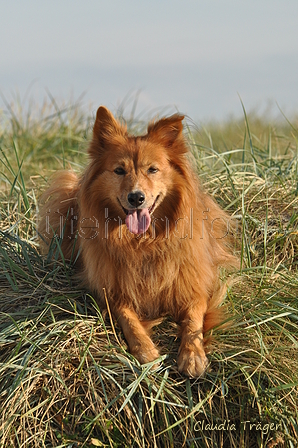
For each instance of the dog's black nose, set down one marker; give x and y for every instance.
(136, 199)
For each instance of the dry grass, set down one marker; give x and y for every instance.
(66, 377)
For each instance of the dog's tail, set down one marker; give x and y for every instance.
(217, 314)
(58, 215)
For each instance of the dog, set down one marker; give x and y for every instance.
(148, 239)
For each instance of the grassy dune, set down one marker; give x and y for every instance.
(66, 378)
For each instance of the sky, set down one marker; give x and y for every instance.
(198, 56)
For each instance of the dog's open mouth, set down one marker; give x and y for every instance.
(138, 220)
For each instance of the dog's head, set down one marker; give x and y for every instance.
(137, 174)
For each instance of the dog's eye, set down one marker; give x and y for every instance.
(120, 171)
(152, 170)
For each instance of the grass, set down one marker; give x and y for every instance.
(66, 379)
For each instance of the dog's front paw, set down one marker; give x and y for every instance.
(192, 360)
(145, 353)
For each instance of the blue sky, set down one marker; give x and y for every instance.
(197, 56)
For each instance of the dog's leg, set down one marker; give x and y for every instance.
(192, 360)
(139, 342)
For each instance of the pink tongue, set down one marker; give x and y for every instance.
(138, 221)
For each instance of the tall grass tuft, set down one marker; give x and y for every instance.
(66, 378)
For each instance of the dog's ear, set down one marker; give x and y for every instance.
(107, 131)
(167, 130)
(105, 125)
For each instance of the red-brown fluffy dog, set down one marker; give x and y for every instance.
(147, 234)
